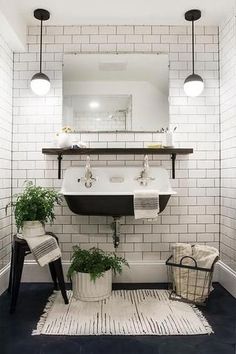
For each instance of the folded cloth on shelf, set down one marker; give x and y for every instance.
(146, 204)
(44, 248)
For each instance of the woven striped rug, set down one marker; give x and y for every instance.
(126, 312)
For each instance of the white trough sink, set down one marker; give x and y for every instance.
(112, 192)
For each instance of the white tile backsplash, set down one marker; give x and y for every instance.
(6, 76)
(228, 141)
(193, 211)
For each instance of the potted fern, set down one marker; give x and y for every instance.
(33, 208)
(91, 273)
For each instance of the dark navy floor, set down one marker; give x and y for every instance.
(15, 330)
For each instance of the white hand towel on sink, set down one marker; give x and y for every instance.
(146, 204)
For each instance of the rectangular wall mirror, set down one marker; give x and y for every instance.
(116, 92)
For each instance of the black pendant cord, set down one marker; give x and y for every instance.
(193, 46)
(41, 40)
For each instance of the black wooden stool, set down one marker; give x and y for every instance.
(20, 249)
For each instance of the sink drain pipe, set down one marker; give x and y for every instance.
(115, 226)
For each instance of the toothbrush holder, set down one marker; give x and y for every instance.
(170, 139)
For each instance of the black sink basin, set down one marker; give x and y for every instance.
(106, 205)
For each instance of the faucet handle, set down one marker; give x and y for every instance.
(141, 180)
(145, 162)
(144, 180)
(91, 177)
(87, 164)
(88, 182)
(88, 178)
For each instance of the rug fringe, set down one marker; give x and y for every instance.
(202, 318)
(44, 316)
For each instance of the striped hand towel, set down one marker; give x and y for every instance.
(44, 248)
(146, 204)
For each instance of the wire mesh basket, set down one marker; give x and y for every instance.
(188, 282)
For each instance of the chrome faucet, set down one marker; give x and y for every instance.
(144, 177)
(88, 176)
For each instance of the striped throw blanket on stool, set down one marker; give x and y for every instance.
(146, 204)
(44, 248)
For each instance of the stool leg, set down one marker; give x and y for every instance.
(53, 275)
(60, 277)
(18, 262)
(11, 271)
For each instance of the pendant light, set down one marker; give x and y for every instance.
(193, 84)
(40, 83)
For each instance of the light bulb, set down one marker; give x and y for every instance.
(40, 84)
(94, 104)
(193, 85)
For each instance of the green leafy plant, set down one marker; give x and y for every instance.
(95, 262)
(34, 203)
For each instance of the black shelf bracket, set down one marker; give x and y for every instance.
(116, 151)
(59, 158)
(173, 158)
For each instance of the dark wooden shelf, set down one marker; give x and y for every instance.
(117, 151)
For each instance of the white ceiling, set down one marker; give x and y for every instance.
(15, 15)
(74, 12)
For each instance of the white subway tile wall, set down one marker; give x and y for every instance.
(192, 215)
(6, 77)
(228, 141)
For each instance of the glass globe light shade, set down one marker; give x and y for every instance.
(193, 85)
(40, 84)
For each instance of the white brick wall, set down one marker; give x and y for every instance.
(191, 216)
(228, 141)
(6, 75)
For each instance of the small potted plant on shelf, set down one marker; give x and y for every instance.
(64, 139)
(33, 208)
(91, 273)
